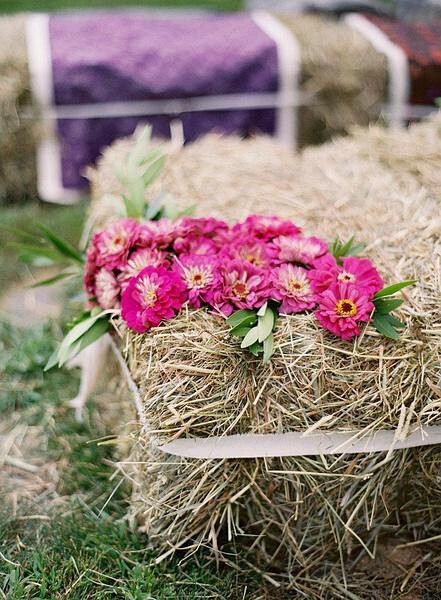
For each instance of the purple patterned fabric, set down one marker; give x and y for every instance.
(137, 55)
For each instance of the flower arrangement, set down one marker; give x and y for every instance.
(149, 264)
(251, 273)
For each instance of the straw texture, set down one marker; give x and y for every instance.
(344, 79)
(18, 134)
(296, 517)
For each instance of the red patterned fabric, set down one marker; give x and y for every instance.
(421, 42)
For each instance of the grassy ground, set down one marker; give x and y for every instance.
(62, 527)
(23, 5)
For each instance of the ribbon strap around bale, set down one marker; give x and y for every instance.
(297, 443)
(399, 78)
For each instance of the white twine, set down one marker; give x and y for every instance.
(398, 68)
(49, 175)
(289, 67)
(252, 445)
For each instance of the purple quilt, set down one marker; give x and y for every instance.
(136, 55)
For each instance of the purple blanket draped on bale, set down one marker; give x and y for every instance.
(132, 56)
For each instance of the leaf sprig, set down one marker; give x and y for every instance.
(255, 327)
(142, 167)
(338, 249)
(47, 249)
(385, 303)
(86, 329)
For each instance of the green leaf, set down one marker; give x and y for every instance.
(98, 329)
(384, 306)
(33, 252)
(130, 206)
(262, 310)
(63, 247)
(240, 330)
(349, 248)
(95, 331)
(250, 338)
(53, 360)
(21, 234)
(255, 348)
(154, 207)
(153, 171)
(355, 250)
(265, 324)
(383, 325)
(187, 212)
(52, 280)
(396, 322)
(268, 348)
(241, 317)
(73, 336)
(393, 289)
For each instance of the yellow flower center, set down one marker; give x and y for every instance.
(346, 308)
(198, 277)
(149, 297)
(295, 286)
(240, 290)
(147, 291)
(345, 276)
(254, 259)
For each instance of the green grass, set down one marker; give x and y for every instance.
(86, 550)
(42, 5)
(66, 220)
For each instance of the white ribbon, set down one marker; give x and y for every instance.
(297, 443)
(399, 76)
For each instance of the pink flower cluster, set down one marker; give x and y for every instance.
(150, 270)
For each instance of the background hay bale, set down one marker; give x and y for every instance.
(18, 134)
(343, 81)
(195, 381)
(343, 77)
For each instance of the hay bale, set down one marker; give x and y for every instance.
(343, 81)
(300, 514)
(18, 134)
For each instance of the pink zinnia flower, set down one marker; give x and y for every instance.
(113, 244)
(199, 233)
(242, 286)
(156, 234)
(90, 271)
(292, 288)
(201, 276)
(359, 271)
(194, 244)
(201, 226)
(153, 295)
(266, 227)
(299, 249)
(144, 257)
(342, 307)
(106, 289)
(323, 273)
(251, 250)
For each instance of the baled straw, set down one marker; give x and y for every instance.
(298, 513)
(344, 79)
(18, 134)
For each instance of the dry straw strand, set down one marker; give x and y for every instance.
(296, 517)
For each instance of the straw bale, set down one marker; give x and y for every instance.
(18, 134)
(298, 514)
(343, 81)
